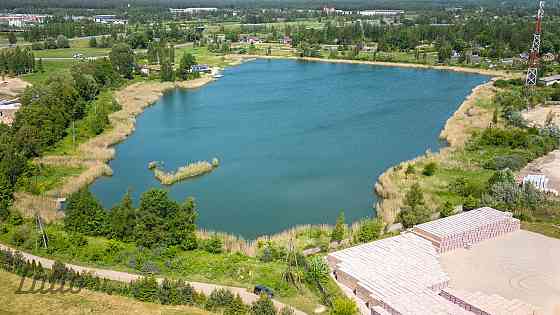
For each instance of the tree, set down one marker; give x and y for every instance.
(317, 271)
(446, 210)
(40, 68)
(236, 307)
(369, 230)
(62, 42)
(187, 61)
(12, 39)
(84, 214)
(6, 196)
(339, 229)
(93, 42)
(122, 60)
(146, 289)
(344, 306)
(50, 43)
(181, 226)
(414, 212)
(167, 73)
(123, 219)
(263, 306)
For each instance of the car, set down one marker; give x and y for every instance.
(261, 289)
(77, 56)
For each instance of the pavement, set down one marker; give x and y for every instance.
(206, 288)
(521, 265)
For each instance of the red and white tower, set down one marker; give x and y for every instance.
(534, 55)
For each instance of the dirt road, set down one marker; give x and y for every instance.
(206, 288)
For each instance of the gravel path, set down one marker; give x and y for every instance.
(206, 288)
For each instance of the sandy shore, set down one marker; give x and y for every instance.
(94, 154)
(456, 132)
(494, 73)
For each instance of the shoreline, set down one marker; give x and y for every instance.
(492, 73)
(95, 153)
(455, 132)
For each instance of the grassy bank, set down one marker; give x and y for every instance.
(85, 302)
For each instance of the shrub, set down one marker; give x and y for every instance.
(429, 169)
(37, 46)
(21, 235)
(410, 170)
(344, 306)
(78, 239)
(263, 306)
(471, 203)
(214, 245)
(446, 210)
(149, 268)
(339, 229)
(219, 298)
(236, 307)
(368, 231)
(317, 271)
(146, 289)
(513, 162)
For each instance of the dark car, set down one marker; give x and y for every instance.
(261, 289)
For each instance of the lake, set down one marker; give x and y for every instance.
(298, 141)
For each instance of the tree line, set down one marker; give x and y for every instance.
(60, 278)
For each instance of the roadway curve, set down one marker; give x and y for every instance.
(206, 288)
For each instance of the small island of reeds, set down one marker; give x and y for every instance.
(190, 170)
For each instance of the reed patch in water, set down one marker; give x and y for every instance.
(184, 172)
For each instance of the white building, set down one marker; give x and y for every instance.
(192, 10)
(548, 81)
(381, 12)
(20, 20)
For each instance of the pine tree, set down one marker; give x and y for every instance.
(339, 229)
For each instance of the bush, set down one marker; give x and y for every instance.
(446, 210)
(21, 235)
(213, 245)
(219, 298)
(513, 162)
(344, 306)
(263, 306)
(429, 169)
(317, 271)
(146, 289)
(37, 46)
(339, 229)
(368, 231)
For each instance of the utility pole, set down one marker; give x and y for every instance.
(534, 54)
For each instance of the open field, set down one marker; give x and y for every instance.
(50, 67)
(85, 302)
(69, 52)
(520, 265)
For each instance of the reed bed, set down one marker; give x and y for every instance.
(302, 236)
(190, 170)
(29, 205)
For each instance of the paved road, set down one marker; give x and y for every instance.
(207, 288)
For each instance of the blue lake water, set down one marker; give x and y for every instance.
(298, 141)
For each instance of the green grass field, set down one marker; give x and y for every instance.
(69, 52)
(50, 67)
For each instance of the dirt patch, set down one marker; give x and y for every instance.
(549, 164)
(12, 87)
(537, 116)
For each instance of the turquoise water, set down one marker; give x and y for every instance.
(298, 141)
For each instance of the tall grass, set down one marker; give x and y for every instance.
(94, 154)
(184, 172)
